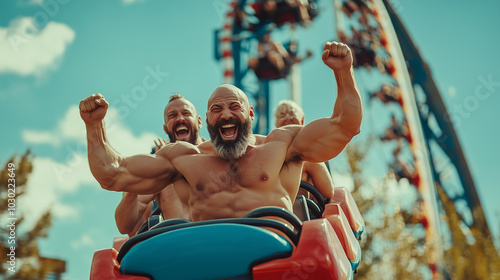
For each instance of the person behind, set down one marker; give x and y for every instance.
(388, 93)
(402, 168)
(283, 11)
(316, 174)
(397, 130)
(274, 60)
(182, 123)
(230, 175)
(269, 53)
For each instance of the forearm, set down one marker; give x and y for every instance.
(323, 139)
(321, 178)
(104, 162)
(127, 214)
(348, 107)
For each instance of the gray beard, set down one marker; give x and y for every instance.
(231, 149)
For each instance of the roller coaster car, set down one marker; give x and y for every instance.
(318, 248)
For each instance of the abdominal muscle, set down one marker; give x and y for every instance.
(226, 204)
(235, 203)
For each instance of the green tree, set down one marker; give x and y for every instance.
(390, 249)
(472, 254)
(27, 255)
(393, 245)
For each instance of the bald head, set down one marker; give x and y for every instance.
(227, 91)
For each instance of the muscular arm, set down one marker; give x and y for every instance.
(129, 213)
(320, 178)
(141, 174)
(325, 138)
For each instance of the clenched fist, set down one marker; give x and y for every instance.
(337, 56)
(93, 108)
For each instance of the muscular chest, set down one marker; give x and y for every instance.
(209, 174)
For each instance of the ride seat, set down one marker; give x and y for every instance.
(150, 223)
(300, 208)
(344, 198)
(213, 251)
(340, 224)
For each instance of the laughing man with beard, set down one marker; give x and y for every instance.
(231, 175)
(182, 123)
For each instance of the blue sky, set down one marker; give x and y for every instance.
(55, 53)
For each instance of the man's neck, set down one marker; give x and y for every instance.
(198, 141)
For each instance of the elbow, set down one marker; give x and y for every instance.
(107, 184)
(352, 130)
(356, 132)
(124, 231)
(121, 223)
(107, 178)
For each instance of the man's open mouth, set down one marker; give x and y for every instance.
(181, 131)
(228, 131)
(287, 122)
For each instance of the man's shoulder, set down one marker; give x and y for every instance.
(176, 149)
(284, 133)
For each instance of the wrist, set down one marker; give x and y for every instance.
(93, 125)
(343, 72)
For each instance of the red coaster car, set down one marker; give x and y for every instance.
(320, 248)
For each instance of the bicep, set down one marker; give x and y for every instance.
(143, 174)
(319, 141)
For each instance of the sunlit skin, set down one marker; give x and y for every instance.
(180, 119)
(267, 174)
(316, 174)
(183, 123)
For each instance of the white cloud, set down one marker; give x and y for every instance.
(84, 241)
(71, 128)
(52, 179)
(38, 137)
(46, 188)
(26, 49)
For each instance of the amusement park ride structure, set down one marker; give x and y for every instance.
(431, 137)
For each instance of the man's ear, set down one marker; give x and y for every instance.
(252, 113)
(302, 121)
(165, 129)
(199, 121)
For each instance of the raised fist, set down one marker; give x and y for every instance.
(337, 56)
(93, 108)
